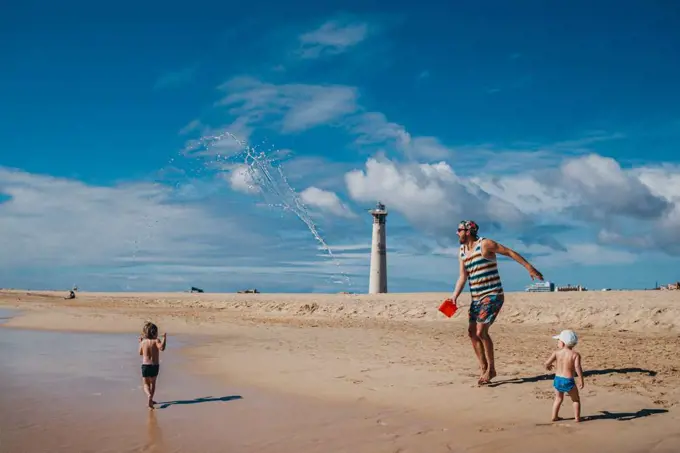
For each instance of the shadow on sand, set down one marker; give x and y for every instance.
(619, 416)
(205, 399)
(624, 416)
(547, 377)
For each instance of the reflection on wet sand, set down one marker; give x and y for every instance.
(154, 435)
(6, 314)
(83, 393)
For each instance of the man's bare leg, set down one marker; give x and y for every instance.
(482, 331)
(479, 349)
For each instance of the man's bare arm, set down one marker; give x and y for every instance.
(462, 278)
(491, 246)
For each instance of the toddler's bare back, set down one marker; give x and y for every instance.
(565, 363)
(150, 352)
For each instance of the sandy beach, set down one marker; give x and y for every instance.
(384, 373)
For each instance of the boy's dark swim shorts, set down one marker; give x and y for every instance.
(150, 370)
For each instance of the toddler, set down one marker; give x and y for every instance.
(568, 364)
(149, 348)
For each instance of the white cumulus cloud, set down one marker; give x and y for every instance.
(431, 196)
(326, 201)
(637, 207)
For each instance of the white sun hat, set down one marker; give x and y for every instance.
(567, 337)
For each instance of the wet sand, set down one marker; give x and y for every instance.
(80, 392)
(312, 380)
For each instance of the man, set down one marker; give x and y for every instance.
(478, 264)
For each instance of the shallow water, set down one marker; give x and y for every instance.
(81, 392)
(6, 314)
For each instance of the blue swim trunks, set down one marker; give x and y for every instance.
(563, 384)
(486, 311)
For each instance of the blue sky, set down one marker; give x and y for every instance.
(555, 128)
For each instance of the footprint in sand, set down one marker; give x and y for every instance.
(543, 394)
(490, 429)
(556, 425)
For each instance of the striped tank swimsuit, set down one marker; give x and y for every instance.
(483, 275)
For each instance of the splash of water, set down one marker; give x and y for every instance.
(263, 175)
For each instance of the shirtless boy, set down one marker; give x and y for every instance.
(149, 348)
(568, 365)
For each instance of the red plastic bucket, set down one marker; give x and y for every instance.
(448, 307)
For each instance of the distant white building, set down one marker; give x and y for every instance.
(540, 287)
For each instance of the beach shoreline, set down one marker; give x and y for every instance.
(397, 353)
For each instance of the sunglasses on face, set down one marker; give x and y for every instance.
(462, 229)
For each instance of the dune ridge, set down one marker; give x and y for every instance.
(637, 311)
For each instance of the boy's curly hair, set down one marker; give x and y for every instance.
(150, 331)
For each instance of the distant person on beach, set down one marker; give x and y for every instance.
(149, 348)
(568, 364)
(478, 264)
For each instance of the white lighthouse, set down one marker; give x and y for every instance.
(378, 274)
